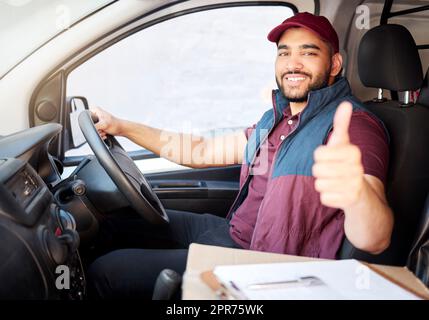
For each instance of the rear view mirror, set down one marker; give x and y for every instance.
(75, 105)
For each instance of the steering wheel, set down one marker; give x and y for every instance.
(122, 170)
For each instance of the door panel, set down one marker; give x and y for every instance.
(211, 190)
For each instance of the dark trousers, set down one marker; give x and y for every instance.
(131, 273)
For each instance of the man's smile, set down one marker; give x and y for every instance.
(295, 80)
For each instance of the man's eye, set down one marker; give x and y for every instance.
(283, 54)
(309, 54)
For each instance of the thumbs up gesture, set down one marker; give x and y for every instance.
(338, 169)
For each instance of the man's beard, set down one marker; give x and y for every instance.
(319, 82)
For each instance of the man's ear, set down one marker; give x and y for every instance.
(337, 64)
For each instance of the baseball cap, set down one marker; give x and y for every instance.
(318, 24)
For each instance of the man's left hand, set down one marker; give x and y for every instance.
(338, 166)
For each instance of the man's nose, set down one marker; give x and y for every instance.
(294, 63)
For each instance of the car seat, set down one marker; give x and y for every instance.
(388, 59)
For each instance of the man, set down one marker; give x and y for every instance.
(325, 160)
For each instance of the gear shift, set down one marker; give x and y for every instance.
(167, 284)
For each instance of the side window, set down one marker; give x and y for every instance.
(198, 72)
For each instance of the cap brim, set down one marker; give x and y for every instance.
(277, 32)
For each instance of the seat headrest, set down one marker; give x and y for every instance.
(424, 91)
(388, 58)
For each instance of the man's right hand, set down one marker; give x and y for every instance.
(107, 123)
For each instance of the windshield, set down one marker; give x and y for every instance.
(27, 24)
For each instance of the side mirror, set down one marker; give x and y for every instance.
(75, 105)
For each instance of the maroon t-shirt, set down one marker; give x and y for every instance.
(365, 132)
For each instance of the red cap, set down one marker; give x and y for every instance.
(318, 24)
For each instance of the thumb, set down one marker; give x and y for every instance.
(340, 133)
(100, 122)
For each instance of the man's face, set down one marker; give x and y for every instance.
(303, 64)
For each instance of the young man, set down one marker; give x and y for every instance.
(324, 161)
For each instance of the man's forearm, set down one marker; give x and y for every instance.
(157, 140)
(369, 222)
(185, 149)
(145, 136)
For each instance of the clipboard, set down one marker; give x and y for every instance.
(224, 292)
(398, 283)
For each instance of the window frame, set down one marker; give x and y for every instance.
(69, 66)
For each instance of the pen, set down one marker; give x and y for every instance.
(236, 293)
(287, 284)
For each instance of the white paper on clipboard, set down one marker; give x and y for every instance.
(341, 279)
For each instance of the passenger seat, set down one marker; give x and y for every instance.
(388, 59)
(418, 261)
(423, 98)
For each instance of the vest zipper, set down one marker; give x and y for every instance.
(277, 151)
(281, 143)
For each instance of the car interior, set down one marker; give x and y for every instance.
(48, 220)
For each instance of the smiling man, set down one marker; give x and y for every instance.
(325, 159)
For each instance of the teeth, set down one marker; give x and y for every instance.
(296, 79)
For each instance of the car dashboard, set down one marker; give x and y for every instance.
(38, 240)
